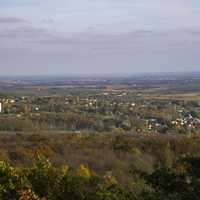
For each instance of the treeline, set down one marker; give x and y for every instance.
(68, 121)
(42, 181)
(72, 121)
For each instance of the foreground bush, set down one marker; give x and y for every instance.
(42, 181)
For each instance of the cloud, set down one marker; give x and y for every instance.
(48, 20)
(193, 32)
(11, 20)
(24, 32)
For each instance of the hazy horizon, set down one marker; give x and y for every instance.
(102, 75)
(82, 37)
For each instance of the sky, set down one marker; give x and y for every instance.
(98, 36)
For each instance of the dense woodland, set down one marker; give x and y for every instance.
(102, 167)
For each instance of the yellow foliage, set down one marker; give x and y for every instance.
(119, 131)
(64, 170)
(109, 178)
(28, 194)
(83, 171)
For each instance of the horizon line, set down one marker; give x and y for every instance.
(120, 74)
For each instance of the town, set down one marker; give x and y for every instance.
(101, 108)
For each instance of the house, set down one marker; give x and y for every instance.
(37, 108)
(196, 122)
(133, 104)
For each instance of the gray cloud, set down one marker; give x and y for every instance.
(48, 20)
(193, 32)
(88, 38)
(44, 37)
(11, 20)
(24, 32)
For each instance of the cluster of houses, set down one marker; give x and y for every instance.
(184, 120)
(13, 103)
(6, 101)
(187, 119)
(155, 125)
